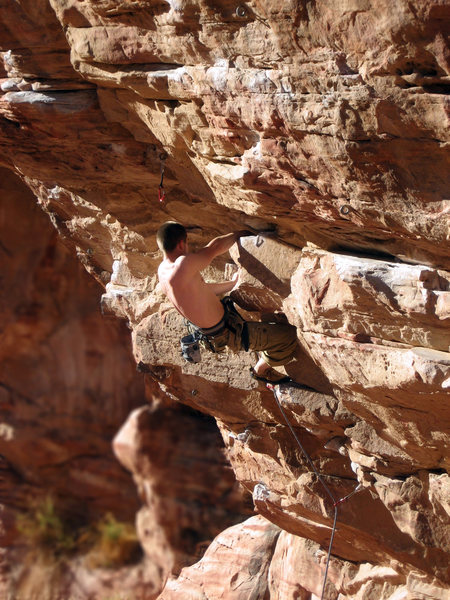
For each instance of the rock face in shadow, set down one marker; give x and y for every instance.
(325, 125)
(188, 488)
(68, 382)
(67, 376)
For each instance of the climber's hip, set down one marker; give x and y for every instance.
(230, 332)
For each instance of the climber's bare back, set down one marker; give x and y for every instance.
(183, 284)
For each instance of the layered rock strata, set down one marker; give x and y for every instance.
(325, 123)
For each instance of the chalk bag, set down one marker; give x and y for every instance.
(190, 349)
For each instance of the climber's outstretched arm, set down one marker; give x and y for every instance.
(202, 258)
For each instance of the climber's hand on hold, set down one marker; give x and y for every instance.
(270, 229)
(243, 233)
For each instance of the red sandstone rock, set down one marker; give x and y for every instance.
(290, 567)
(235, 566)
(61, 395)
(180, 468)
(328, 121)
(58, 420)
(55, 375)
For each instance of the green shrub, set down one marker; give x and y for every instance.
(43, 527)
(107, 543)
(115, 543)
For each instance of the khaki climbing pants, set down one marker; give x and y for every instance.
(276, 342)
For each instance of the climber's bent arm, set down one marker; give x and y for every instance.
(221, 288)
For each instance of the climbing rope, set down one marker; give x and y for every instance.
(335, 502)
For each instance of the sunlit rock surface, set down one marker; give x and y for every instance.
(324, 124)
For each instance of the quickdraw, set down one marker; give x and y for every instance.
(161, 191)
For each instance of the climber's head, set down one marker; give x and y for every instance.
(169, 235)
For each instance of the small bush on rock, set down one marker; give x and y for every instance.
(43, 527)
(47, 530)
(115, 543)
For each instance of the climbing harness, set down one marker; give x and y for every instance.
(231, 320)
(161, 191)
(190, 344)
(335, 502)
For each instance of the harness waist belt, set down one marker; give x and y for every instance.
(215, 330)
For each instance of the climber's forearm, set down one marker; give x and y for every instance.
(223, 243)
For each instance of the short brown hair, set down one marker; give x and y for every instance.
(169, 235)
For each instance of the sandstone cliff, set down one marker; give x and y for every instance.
(325, 122)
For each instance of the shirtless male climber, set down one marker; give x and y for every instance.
(217, 320)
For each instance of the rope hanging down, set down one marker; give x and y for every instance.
(335, 502)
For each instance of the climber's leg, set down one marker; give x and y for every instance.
(276, 343)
